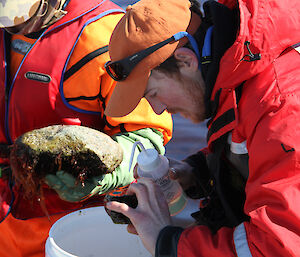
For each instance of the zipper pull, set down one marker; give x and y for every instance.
(250, 57)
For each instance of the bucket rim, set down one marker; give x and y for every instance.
(51, 243)
(54, 227)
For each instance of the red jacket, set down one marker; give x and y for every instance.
(265, 123)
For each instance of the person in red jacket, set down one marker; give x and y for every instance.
(52, 56)
(239, 66)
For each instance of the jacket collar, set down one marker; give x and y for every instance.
(224, 25)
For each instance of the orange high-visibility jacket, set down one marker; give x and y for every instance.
(61, 80)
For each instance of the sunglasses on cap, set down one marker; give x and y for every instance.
(120, 70)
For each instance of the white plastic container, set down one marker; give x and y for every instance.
(91, 233)
(156, 166)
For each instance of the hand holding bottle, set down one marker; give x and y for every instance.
(150, 216)
(156, 166)
(182, 172)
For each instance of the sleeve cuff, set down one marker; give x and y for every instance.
(166, 244)
(202, 174)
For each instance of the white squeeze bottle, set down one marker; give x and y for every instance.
(156, 166)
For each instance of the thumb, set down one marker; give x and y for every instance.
(66, 178)
(173, 174)
(53, 181)
(135, 173)
(131, 229)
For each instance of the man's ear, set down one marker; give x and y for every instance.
(188, 59)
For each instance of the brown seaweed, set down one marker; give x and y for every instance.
(80, 151)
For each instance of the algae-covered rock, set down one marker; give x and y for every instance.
(119, 218)
(81, 151)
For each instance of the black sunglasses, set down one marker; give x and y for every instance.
(120, 70)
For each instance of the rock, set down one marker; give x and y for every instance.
(120, 195)
(79, 150)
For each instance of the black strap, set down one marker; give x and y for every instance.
(167, 241)
(84, 61)
(214, 164)
(220, 122)
(107, 123)
(227, 116)
(89, 98)
(7, 42)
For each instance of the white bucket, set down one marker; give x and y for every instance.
(90, 232)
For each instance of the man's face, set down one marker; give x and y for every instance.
(184, 95)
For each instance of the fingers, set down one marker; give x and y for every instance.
(54, 182)
(155, 194)
(150, 200)
(50, 180)
(118, 207)
(66, 178)
(131, 229)
(147, 192)
(150, 215)
(173, 174)
(141, 192)
(177, 169)
(135, 174)
(65, 186)
(183, 173)
(70, 195)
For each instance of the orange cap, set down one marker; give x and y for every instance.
(146, 23)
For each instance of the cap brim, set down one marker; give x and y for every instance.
(127, 95)
(16, 12)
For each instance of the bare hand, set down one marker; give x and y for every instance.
(182, 172)
(150, 216)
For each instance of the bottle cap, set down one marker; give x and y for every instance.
(148, 159)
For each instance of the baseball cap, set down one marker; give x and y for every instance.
(145, 24)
